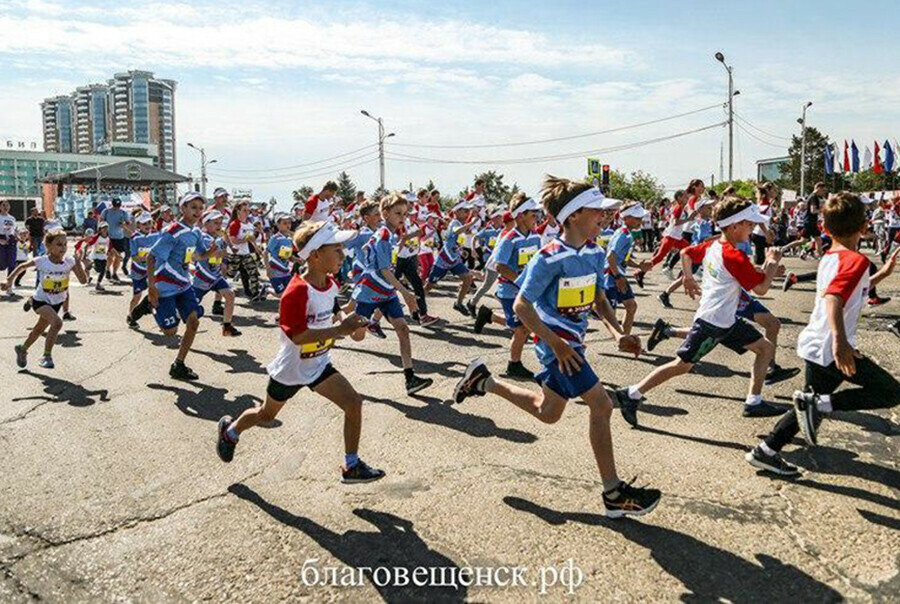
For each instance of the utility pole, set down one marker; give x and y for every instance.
(381, 137)
(203, 164)
(731, 94)
(802, 122)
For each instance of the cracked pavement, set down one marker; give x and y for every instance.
(111, 488)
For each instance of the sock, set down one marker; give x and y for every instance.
(773, 366)
(178, 362)
(486, 384)
(226, 323)
(767, 449)
(514, 364)
(753, 399)
(350, 460)
(609, 486)
(408, 373)
(669, 331)
(634, 394)
(232, 434)
(824, 404)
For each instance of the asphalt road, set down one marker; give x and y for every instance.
(111, 488)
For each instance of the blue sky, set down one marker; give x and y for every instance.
(266, 85)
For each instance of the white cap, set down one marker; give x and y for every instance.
(529, 205)
(591, 198)
(214, 215)
(191, 196)
(463, 205)
(750, 213)
(220, 191)
(102, 224)
(706, 201)
(326, 235)
(144, 217)
(635, 211)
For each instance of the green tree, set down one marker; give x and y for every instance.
(637, 186)
(495, 190)
(815, 166)
(744, 188)
(303, 193)
(866, 180)
(346, 189)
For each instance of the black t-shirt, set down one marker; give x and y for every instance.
(813, 202)
(35, 226)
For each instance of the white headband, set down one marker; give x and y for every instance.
(463, 205)
(635, 211)
(749, 213)
(529, 205)
(326, 235)
(592, 198)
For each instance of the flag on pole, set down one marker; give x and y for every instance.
(888, 156)
(829, 160)
(854, 156)
(867, 158)
(846, 167)
(877, 168)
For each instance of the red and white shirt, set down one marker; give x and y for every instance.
(303, 306)
(319, 209)
(674, 231)
(99, 247)
(726, 270)
(241, 233)
(842, 273)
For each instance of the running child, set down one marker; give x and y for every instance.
(53, 271)
(169, 289)
(702, 231)
(99, 246)
(281, 254)
(450, 258)
(378, 288)
(726, 271)
(557, 289)
(23, 246)
(7, 239)
(618, 257)
(490, 267)
(673, 238)
(208, 270)
(308, 332)
(828, 343)
(141, 242)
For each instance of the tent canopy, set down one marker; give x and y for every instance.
(129, 172)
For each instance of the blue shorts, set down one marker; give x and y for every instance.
(138, 285)
(752, 308)
(390, 308)
(217, 286)
(568, 386)
(512, 321)
(279, 284)
(438, 272)
(180, 305)
(616, 297)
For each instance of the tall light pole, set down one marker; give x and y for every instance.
(731, 94)
(203, 164)
(802, 122)
(381, 137)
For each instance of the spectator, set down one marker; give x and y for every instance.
(35, 225)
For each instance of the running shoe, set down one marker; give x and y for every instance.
(46, 362)
(230, 331)
(789, 281)
(630, 501)
(658, 334)
(125, 270)
(99, 288)
(771, 463)
(21, 356)
(427, 320)
(218, 309)
(27, 306)
(67, 316)
(359, 473)
(762, 409)
(374, 328)
(224, 446)
(470, 306)
(180, 371)
(895, 328)
(472, 381)
(461, 309)
(131, 322)
(808, 417)
(627, 405)
(639, 279)
(415, 383)
(482, 318)
(668, 273)
(518, 371)
(878, 300)
(664, 299)
(776, 373)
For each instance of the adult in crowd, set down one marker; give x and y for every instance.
(119, 222)
(763, 235)
(814, 204)
(35, 225)
(318, 206)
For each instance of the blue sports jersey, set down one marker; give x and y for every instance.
(488, 237)
(604, 237)
(280, 249)
(515, 250)
(561, 282)
(745, 247)
(450, 251)
(208, 272)
(621, 245)
(377, 255)
(173, 253)
(355, 245)
(140, 249)
(703, 230)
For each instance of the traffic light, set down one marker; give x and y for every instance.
(604, 181)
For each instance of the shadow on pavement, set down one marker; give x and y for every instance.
(710, 573)
(696, 439)
(395, 543)
(868, 422)
(209, 402)
(440, 413)
(68, 338)
(421, 366)
(63, 391)
(830, 460)
(444, 334)
(239, 361)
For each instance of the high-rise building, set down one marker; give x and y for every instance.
(90, 118)
(57, 113)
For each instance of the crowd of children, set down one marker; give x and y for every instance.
(553, 264)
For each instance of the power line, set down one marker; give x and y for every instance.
(312, 163)
(749, 123)
(278, 179)
(301, 174)
(560, 138)
(402, 157)
(765, 142)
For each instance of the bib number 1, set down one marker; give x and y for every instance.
(576, 294)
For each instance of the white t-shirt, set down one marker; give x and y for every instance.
(842, 273)
(241, 234)
(7, 227)
(411, 248)
(765, 210)
(726, 270)
(53, 279)
(549, 233)
(22, 248)
(303, 307)
(99, 247)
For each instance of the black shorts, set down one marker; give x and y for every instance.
(811, 231)
(36, 304)
(704, 336)
(120, 245)
(282, 392)
(100, 265)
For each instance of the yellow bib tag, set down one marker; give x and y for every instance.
(284, 252)
(461, 239)
(142, 253)
(215, 260)
(413, 244)
(576, 294)
(100, 249)
(492, 242)
(526, 253)
(55, 285)
(394, 256)
(188, 255)
(314, 349)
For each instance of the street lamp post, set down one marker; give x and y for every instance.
(381, 137)
(203, 164)
(802, 122)
(731, 94)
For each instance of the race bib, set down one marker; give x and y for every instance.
(142, 253)
(189, 255)
(100, 249)
(314, 349)
(492, 242)
(412, 244)
(55, 285)
(215, 260)
(576, 294)
(526, 253)
(285, 251)
(394, 256)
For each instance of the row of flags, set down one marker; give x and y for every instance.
(870, 161)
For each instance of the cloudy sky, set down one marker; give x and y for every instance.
(272, 89)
